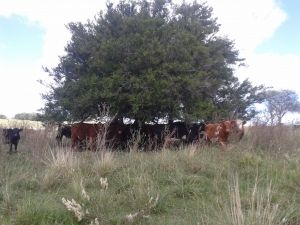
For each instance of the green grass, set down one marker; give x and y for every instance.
(255, 181)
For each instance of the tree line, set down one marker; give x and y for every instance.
(150, 59)
(25, 116)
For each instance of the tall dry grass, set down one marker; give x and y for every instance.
(278, 139)
(252, 182)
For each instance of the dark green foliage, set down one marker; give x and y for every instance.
(148, 59)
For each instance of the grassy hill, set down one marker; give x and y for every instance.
(255, 181)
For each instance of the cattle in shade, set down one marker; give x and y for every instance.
(82, 132)
(142, 135)
(177, 131)
(12, 137)
(63, 131)
(196, 132)
(114, 135)
(85, 132)
(219, 132)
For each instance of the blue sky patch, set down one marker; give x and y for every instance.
(18, 33)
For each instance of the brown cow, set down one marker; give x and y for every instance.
(114, 135)
(84, 131)
(219, 132)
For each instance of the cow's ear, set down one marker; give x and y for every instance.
(244, 122)
(20, 129)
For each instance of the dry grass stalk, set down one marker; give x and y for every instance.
(261, 211)
(75, 207)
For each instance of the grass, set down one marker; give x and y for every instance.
(12, 123)
(255, 181)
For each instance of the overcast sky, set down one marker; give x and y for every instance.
(33, 34)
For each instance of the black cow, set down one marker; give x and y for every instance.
(174, 132)
(145, 140)
(196, 132)
(63, 131)
(12, 137)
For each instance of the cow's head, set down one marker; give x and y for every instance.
(15, 133)
(227, 125)
(240, 124)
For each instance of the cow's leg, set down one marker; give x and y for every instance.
(74, 142)
(10, 148)
(223, 145)
(16, 146)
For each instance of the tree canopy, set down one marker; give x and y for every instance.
(150, 59)
(279, 103)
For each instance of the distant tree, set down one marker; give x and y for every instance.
(26, 116)
(279, 103)
(149, 59)
(3, 116)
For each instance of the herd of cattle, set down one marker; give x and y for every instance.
(149, 136)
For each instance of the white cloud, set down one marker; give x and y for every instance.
(19, 92)
(279, 71)
(249, 23)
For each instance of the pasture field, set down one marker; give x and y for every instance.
(13, 123)
(255, 181)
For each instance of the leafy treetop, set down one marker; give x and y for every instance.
(149, 59)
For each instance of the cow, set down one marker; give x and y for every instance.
(12, 137)
(238, 129)
(176, 131)
(114, 135)
(219, 132)
(63, 131)
(196, 132)
(135, 133)
(83, 131)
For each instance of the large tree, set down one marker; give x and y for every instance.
(148, 59)
(279, 103)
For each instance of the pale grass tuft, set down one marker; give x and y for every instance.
(59, 157)
(104, 183)
(153, 204)
(261, 211)
(130, 217)
(95, 223)
(83, 192)
(192, 150)
(75, 207)
(287, 157)
(104, 164)
(60, 167)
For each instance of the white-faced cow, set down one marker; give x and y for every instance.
(219, 132)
